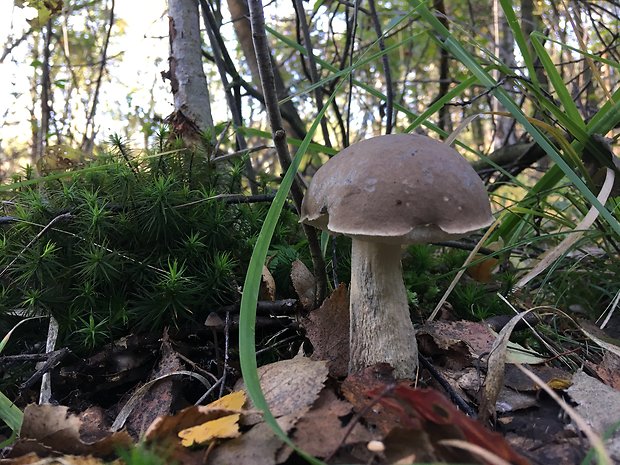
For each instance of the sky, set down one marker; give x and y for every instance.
(145, 53)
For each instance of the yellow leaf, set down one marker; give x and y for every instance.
(225, 427)
(557, 384)
(232, 401)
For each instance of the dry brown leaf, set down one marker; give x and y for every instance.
(290, 387)
(327, 328)
(258, 446)
(355, 389)
(609, 370)
(494, 380)
(160, 397)
(267, 286)
(405, 446)
(321, 431)
(459, 342)
(50, 428)
(304, 284)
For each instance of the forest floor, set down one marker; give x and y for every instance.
(477, 399)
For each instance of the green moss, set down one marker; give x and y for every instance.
(150, 242)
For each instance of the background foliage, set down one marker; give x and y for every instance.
(529, 91)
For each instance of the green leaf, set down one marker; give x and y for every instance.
(10, 414)
(454, 47)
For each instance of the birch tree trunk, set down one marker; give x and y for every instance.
(192, 105)
(504, 49)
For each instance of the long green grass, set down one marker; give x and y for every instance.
(515, 224)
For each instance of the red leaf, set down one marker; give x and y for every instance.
(431, 406)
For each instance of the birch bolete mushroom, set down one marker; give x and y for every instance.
(385, 192)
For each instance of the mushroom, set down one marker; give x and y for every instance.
(385, 192)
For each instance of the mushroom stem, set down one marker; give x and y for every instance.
(380, 326)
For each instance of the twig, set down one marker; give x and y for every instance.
(232, 199)
(458, 400)
(313, 69)
(209, 392)
(277, 307)
(275, 345)
(389, 91)
(45, 395)
(240, 153)
(351, 53)
(226, 353)
(13, 359)
(87, 141)
(52, 360)
(263, 58)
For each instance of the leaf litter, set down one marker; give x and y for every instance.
(368, 417)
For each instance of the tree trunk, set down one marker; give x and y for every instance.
(240, 15)
(41, 132)
(192, 106)
(445, 121)
(504, 50)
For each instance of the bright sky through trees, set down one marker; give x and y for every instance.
(137, 58)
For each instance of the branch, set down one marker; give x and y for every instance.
(389, 91)
(314, 74)
(263, 58)
(217, 47)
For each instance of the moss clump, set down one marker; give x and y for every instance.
(135, 243)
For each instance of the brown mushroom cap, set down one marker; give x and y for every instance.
(399, 188)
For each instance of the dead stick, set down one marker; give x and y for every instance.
(263, 58)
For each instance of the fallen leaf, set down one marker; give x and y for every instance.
(609, 370)
(327, 328)
(482, 271)
(304, 284)
(290, 387)
(494, 380)
(158, 399)
(459, 343)
(233, 401)
(267, 286)
(435, 410)
(406, 446)
(355, 388)
(322, 430)
(166, 426)
(258, 446)
(50, 428)
(222, 428)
